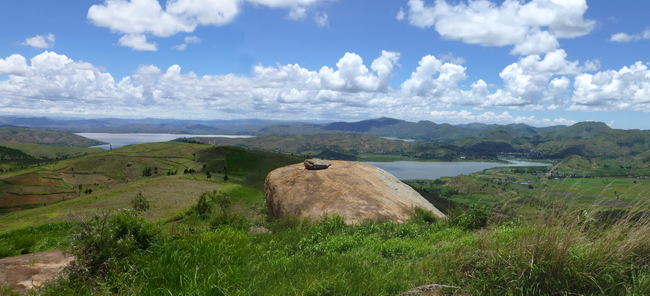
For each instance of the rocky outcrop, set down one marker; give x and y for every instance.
(316, 164)
(355, 190)
(25, 272)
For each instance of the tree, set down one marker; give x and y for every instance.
(203, 206)
(208, 174)
(140, 203)
(225, 178)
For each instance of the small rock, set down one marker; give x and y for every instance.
(316, 164)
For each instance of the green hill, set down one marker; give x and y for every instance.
(342, 146)
(13, 134)
(172, 174)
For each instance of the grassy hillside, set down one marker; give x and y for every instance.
(569, 229)
(50, 152)
(13, 134)
(109, 179)
(345, 147)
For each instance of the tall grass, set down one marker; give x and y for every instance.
(562, 251)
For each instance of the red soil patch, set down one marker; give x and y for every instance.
(26, 179)
(86, 179)
(50, 182)
(12, 199)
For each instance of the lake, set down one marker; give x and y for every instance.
(409, 170)
(403, 170)
(119, 140)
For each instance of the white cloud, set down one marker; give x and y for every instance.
(54, 81)
(137, 42)
(532, 28)
(624, 37)
(40, 41)
(297, 13)
(15, 64)
(625, 89)
(353, 76)
(527, 86)
(465, 116)
(148, 17)
(400, 15)
(50, 83)
(188, 40)
(621, 37)
(321, 20)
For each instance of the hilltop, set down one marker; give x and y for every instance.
(176, 172)
(207, 229)
(14, 134)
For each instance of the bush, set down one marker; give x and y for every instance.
(470, 218)
(203, 207)
(420, 215)
(140, 203)
(103, 239)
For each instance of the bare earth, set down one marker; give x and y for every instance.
(27, 271)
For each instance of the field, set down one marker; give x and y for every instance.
(108, 180)
(579, 227)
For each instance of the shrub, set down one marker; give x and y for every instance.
(140, 203)
(470, 218)
(203, 207)
(420, 215)
(105, 238)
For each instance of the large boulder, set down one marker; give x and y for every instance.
(355, 190)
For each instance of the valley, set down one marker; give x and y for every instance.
(206, 209)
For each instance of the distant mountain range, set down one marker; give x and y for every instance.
(382, 127)
(14, 134)
(589, 139)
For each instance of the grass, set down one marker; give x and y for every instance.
(168, 196)
(36, 239)
(552, 239)
(569, 253)
(52, 152)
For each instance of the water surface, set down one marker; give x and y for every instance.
(119, 140)
(409, 170)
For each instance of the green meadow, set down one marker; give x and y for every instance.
(201, 227)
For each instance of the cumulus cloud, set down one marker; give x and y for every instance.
(625, 89)
(40, 41)
(624, 37)
(149, 17)
(188, 40)
(532, 82)
(15, 65)
(465, 116)
(352, 88)
(532, 28)
(137, 42)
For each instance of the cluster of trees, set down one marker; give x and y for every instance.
(7, 153)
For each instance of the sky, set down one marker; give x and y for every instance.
(538, 62)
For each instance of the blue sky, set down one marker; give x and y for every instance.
(539, 62)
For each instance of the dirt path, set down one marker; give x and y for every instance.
(31, 270)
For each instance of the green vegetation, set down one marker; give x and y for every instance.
(190, 218)
(471, 253)
(14, 134)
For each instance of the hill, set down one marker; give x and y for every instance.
(13, 134)
(343, 146)
(172, 174)
(7, 153)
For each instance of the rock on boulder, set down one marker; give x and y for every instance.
(355, 190)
